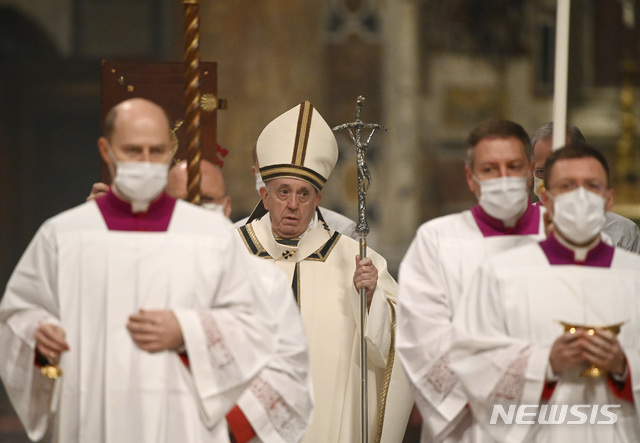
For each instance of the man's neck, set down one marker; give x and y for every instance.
(579, 251)
(136, 206)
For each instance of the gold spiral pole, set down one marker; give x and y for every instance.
(192, 95)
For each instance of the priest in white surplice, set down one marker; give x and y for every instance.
(511, 349)
(277, 407)
(440, 261)
(620, 230)
(119, 292)
(297, 152)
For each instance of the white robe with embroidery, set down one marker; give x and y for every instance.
(78, 274)
(509, 323)
(321, 268)
(279, 402)
(433, 275)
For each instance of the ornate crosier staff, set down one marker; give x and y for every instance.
(192, 95)
(362, 229)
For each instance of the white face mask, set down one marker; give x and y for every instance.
(259, 182)
(538, 187)
(140, 182)
(503, 198)
(578, 215)
(214, 207)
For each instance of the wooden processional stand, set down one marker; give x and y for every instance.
(186, 90)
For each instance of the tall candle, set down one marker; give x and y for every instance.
(561, 74)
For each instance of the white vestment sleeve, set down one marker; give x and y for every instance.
(279, 402)
(229, 343)
(425, 335)
(378, 328)
(28, 301)
(494, 369)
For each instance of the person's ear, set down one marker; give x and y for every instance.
(227, 206)
(609, 200)
(263, 195)
(103, 147)
(547, 202)
(473, 185)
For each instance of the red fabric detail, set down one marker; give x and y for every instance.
(239, 426)
(547, 390)
(185, 359)
(37, 359)
(622, 391)
(415, 418)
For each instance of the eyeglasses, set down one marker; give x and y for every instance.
(595, 186)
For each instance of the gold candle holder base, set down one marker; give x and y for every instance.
(592, 371)
(51, 371)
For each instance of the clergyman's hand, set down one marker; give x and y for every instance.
(50, 341)
(603, 350)
(567, 351)
(155, 330)
(97, 190)
(365, 276)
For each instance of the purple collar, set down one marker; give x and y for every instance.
(118, 216)
(599, 256)
(528, 223)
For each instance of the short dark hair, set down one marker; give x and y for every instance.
(574, 150)
(496, 129)
(545, 132)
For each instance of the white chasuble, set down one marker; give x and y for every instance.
(433, 276)
(320, 268)
(78, 274)
(506, 329)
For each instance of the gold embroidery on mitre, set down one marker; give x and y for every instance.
(302, 133)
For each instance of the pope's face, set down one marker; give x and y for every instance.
(291, 204)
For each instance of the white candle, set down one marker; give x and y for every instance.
(561, 74)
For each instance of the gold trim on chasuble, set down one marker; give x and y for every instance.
(251, 242)
(255, 247)
(382, 407)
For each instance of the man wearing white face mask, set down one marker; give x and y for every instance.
(440, 261)
(618, 230)
(118, 292)
(509, 331)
